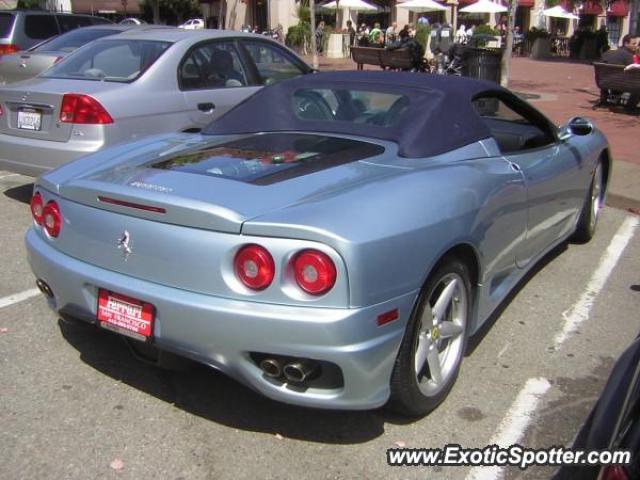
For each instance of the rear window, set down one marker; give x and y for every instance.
(6, 22)
(356, 106)
(270, 158)
(110, 60)
(40, 27)
(71, 22)
(72, 40)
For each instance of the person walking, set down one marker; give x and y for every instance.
(319, 34)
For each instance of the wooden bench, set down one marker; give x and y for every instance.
(613, 77)
(394, 59)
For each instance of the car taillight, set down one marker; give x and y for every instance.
(83, 109)
(254, 267)
(614, 472)
(37, 208)
(314, 271)
(9, 49)
(52, 218)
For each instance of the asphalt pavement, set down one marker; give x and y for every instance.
(75, 404)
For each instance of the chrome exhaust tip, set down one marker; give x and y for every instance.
(298, 372)
(44, 288)
(271, 367)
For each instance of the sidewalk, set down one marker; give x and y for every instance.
(562, 89)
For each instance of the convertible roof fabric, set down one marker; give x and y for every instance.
(440, 116)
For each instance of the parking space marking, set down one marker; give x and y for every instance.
(8, 175)
(514, 424)
(579, 312)
(18, 297)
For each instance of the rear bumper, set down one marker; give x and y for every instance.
(33, 157)
(221, 332)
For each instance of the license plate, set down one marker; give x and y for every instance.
(29, 119)
(125, 315)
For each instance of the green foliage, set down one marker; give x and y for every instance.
(422, 35)
(485, 30)
(299, 36)
(551, 3)
(173, 12)
(34, 4)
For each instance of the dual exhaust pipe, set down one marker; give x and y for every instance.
(44, 288)
(297, 371)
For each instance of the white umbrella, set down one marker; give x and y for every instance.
(559, 12)
(484, 6)
(422, 6)
(355, 5)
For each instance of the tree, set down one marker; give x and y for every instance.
(505, 62)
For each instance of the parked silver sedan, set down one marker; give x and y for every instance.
(24, 65)
(127, 86)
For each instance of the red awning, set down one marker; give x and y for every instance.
(619, 8)
(590, 8)
(526, 3)
(466, 2)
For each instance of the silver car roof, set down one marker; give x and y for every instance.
(175, 35)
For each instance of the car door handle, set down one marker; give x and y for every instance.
(206, 107)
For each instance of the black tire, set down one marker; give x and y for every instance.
(407, 395)
(588, 222)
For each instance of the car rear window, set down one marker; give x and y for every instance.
(71, 22)
(265, 159)
(40, 27)
(344, 105)
(72, 40)
(110, 60)
(6, 22)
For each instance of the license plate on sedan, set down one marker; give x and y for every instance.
(125, 315)
(29, 119)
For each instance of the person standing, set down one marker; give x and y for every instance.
(391, 34)
(352, 33)
(319, 34)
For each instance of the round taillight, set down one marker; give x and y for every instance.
(254, 267)
(37, 208)
(315, 272)
(52, 219)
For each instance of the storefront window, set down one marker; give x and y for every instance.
(613, 29)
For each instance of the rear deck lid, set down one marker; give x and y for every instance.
(219, 185)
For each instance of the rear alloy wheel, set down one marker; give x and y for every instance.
(432, 348)
(592, 207)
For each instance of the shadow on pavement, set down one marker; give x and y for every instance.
(477, 338)
(21, 194)
(213, 396)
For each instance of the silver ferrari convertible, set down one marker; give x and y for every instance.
(333, 241)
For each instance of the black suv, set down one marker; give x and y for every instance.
(21, 29)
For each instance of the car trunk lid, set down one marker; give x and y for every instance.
(32, 107)
(25, 65)
(220, 185)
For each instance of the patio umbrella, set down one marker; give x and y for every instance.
(484, 6)
(354, 5)
(422, 6)
(559, 12)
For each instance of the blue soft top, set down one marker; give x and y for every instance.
(440, 116)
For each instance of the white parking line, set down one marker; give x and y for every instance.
(513, 425)
(579, 312)
(8, 175)
(18, 297)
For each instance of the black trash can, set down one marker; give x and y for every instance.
(482, 63)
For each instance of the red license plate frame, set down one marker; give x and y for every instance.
(125, 315)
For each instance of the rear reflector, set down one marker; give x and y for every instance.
(9, 49)
(614, 472)
(124, 203)
(387, 317)
(83, 109)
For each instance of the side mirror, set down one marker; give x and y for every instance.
(579, 126)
